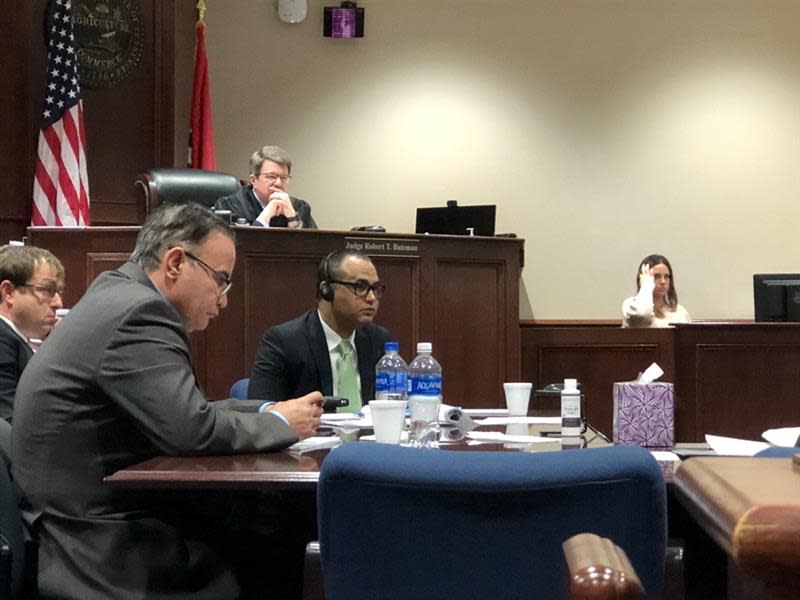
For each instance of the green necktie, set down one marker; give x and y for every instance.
(348, 377)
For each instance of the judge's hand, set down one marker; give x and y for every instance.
(646, 274)
(279, 204)
(302, 413)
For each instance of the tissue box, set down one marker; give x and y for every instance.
(644, 414)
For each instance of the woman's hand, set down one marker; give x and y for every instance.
(645, 274)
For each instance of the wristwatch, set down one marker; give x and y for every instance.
(292, 219)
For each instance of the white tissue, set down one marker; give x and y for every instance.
(650, 374)
(785, 436)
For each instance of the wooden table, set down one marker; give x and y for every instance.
(276, 470)
(751, 508)
(291, 475)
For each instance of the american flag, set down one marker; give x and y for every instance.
(61, 187)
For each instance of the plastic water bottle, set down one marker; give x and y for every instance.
(570, 409)
(424, 396)
(391, 375)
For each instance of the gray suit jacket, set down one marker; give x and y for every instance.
(292, 360)
(14, 357)
(114, 386)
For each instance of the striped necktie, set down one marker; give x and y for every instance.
(347, 383)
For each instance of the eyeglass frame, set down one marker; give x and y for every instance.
(273, 177)
(49, 291)
(378, 289)
(214, 274)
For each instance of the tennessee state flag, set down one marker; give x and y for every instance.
(201, 133)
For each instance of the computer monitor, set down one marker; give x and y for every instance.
(457, 220)
(776, 297)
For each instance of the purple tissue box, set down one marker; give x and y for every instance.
(644, 414)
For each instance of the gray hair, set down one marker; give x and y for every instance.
(273, 153)
(18, 263)
(170, 225)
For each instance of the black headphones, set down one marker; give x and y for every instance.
(326, 289)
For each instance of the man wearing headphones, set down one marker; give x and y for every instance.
(332, 349)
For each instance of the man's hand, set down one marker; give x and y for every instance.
(279, 204)
(302, 413)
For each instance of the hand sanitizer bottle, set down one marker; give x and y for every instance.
(570, 409)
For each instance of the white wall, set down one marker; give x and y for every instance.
(603, 130)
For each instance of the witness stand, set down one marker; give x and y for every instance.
(733, 379)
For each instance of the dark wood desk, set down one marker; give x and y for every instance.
(461, 293)
(751, 508)
(277, 470)
(597, 357)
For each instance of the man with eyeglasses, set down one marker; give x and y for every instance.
(113, 385)
(31, 290)
(264, 202)
(332, 349)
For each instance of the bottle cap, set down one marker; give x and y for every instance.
(570, 385)
(389, 346)
(424, 347)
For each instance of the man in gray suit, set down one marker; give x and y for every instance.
(114, 386)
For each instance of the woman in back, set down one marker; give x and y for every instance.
(656, 303)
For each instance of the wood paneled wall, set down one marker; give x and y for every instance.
(140, 123)
(460, 293)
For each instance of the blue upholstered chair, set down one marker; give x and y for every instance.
(239, 389)
(779, 451)
(405, 523)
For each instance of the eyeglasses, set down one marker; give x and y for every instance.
(222, 280)
(273, 177)
(48, 290)
(362, 288)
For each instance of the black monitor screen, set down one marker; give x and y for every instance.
(457, 220)
(776, 297)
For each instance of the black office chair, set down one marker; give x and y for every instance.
(12, 537)
(159, 186)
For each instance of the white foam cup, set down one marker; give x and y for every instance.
(517, 397)
(518, 429)
(388, 418)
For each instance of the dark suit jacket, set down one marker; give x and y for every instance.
(112, 386)
(14, 356)
(293, 359)
(244, 204)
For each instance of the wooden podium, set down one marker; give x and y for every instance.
(461, 293)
